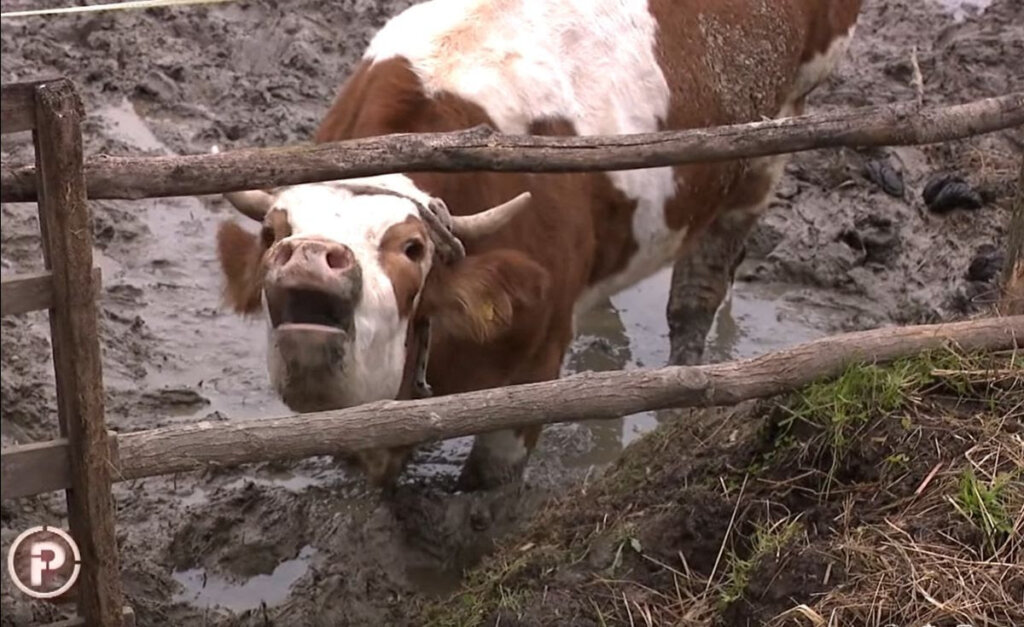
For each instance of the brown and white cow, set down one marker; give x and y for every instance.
(345, 269)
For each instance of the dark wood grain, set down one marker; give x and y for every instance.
(33, 292)
(30, 469)
(1012, 302)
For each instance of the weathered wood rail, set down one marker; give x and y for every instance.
(37, 468)
(483, 149)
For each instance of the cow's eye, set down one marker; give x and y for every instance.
(414, 249)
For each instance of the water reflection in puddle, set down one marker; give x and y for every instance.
(175, 266)
(960, 9)
(206, 590)
(632, 332)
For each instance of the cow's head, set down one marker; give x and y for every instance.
(342, 269)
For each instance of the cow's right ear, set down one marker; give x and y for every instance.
(486, 296)
(240, 253)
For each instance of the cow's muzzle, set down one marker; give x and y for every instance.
(312, 285)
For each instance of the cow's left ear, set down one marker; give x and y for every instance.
(240, 253)
(485, 296)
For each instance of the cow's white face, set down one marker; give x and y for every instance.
(339, 290)
(340, 276)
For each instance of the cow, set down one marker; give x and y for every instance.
(495, 267)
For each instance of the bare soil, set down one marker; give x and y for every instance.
(307, 543)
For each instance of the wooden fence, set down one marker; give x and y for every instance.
(53, 112)
(85, 460)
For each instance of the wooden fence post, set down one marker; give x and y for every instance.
(67, 247)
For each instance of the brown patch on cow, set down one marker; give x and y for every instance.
(241, 259)
(240, 254)
(611, 211)
(730, 62)
(485, 295)
(388, 97)
(403, 248)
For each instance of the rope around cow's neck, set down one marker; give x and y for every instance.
(439, 220)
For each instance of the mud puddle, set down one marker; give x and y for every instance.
(295, 481)
(631, 332)
(961, 9)
(207, 591)
(174, 280)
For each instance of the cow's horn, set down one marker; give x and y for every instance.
(487, 222)
(252, 203)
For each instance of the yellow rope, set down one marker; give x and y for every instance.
(113, 6)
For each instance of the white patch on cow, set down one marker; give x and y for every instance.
(373, 364)
(815, 71)
(809, 76)
(591, 62)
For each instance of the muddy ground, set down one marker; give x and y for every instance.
(292, 542)
(890, 496)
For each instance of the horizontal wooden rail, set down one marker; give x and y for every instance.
(34, 468)
(592, 395)
(483, 149)
(18, 107)
(33, 292)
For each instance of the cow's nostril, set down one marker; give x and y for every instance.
(339, 258)
(283, 253)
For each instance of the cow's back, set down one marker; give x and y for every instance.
(595, 67)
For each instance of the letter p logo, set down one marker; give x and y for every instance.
(46, 557)
(44, 562)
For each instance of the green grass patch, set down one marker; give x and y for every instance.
(768, 540)
(985, 504)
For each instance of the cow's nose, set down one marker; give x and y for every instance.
(315, 253)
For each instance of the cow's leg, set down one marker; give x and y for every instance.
(499, 457)
(705, 270)
(383, 465)
(700, 280)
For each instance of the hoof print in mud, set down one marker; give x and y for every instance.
(875, 237)
(882, 173)
(947, 192)
(987, 263)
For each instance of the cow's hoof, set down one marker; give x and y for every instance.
(477, 477)
(687, 356)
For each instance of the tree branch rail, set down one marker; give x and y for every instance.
(591, 395)
(483, 149)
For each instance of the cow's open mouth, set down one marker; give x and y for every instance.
(310, 310)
